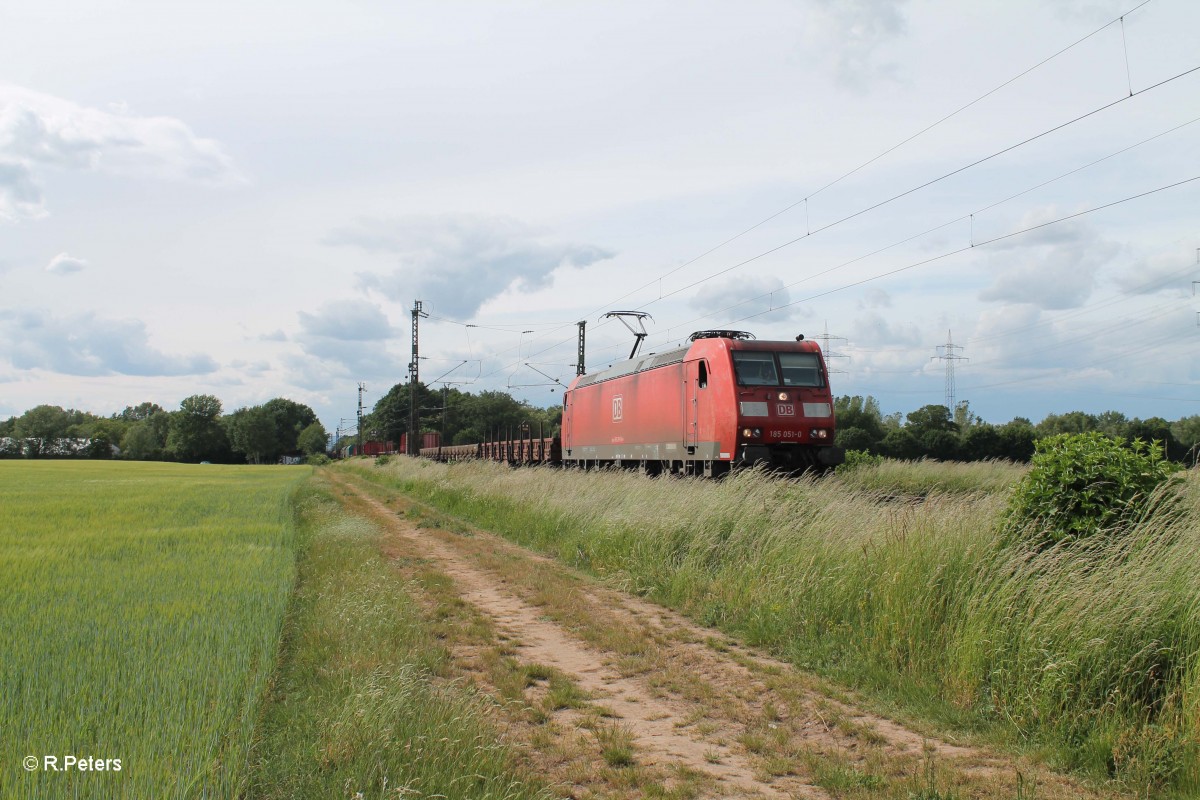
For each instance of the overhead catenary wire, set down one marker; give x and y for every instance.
(1132, 94)
(985, 243)
(917, 188)
(1089, 308)
(889, 150)
(804, 201)
(928, 260)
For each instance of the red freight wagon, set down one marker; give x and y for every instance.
(724, 400)
(427, 440)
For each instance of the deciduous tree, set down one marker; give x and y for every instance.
(313, 439)
(40, 427)
(196, 431)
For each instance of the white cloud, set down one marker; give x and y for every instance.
(347, 320)
(253, 369)
(39, 131)
(344, 339)
(875, 298)
(765, 296)
(1170, 272)
(20, 197)
(1093, 11)
(84, 344)
(1052, 268)
(856, 31)
(456, 263)
(64, 264)
(872, 330)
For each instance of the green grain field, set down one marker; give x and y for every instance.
(140, 612)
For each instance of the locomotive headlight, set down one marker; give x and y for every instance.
(751, 433)
(783, 397)
(820, 433)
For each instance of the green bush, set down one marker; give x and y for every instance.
(1080, 484)
(317, 460)
(856, 459)
(381, 460)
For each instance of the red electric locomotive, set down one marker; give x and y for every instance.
(724, 400)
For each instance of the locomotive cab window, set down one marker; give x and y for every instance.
(755, 369)
(800, 369)
(702, 378)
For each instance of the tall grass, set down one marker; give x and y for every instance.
(140, 610)
(919, 478)
(1089, 657)
(357, 709)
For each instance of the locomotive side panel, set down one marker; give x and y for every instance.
(637, 417)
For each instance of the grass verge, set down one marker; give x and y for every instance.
(1088, 659)
(361, 707)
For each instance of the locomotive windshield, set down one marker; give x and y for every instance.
(755, 369)
(801, 369)
(762, 369)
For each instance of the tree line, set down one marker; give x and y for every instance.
(197, 431)
(200, 431)
(934, 432)
(460, 417)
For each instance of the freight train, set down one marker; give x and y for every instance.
(722, 401)
(375, 447)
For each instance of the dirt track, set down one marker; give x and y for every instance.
(699, 709)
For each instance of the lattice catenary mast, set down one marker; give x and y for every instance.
(362, 387)
(413, 371)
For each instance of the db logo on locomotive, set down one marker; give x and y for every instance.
(618, 408)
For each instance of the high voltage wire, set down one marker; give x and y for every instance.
(1128, 323)
(1081, 311)
(1108, 358)
(1058, 373)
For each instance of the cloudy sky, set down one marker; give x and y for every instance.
(245, 199)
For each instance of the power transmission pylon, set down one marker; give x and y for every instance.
(946, 353)
(825, 338)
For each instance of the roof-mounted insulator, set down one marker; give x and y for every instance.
(720, 335)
